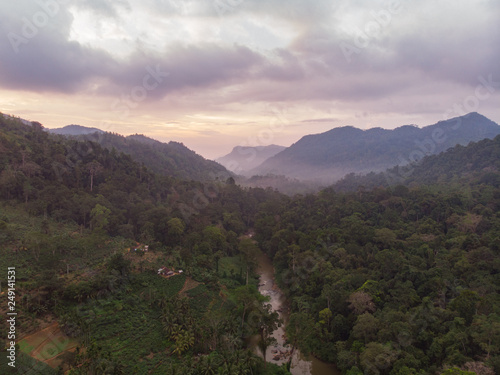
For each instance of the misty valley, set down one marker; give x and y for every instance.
(125, 255)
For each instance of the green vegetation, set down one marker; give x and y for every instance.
(388, 280)
(172, 158)
(392, 280)
(75, 218)
(457, 168)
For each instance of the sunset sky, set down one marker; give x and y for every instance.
(214, 74)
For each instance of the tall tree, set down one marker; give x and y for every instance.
(94, 168)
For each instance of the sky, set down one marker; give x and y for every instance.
(214, 74)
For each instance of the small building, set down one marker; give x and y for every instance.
(141, 247)
(163, 271)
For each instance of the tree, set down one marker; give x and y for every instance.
(328, 292)
(147, 232)
(233, 222)
(214, 237)
(300, 328)
(485, 331)
(385, 236)
(175, 228)
(360, 302)
(184, 339)
(292, 252)
(377, 358)
(466, 305)
(366, 327)
(249, 252)
(246, 298)
(217, 256)
(99, 217)
(266, 322)
(324, 316)
(118, 263)
(478, 368)
(94, 168)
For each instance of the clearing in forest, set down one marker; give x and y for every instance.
(48, 345)
(188, 285)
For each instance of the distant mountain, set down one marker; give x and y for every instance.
(171, 159)
(242, 159)
(329, 156)
(460, 166)
(74, 130)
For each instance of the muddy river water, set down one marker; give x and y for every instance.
(281, 353)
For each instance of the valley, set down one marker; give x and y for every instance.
(374, 274)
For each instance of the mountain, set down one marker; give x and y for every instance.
(89, 228)
(460, 166)
(329, 156)
(171, 159)
(242, 159)
(15, 118)
(74, 130)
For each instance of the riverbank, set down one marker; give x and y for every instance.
(281, 353)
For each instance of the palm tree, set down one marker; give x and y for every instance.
(183, 341)
(250, 360)
(207, 365)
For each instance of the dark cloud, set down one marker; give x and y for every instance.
(36, 53)
(48, 61)
(54, 66)
(197, 67)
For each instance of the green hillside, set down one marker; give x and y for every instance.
(393, 279)
(460, 166)
(72, 214)
(170, 159)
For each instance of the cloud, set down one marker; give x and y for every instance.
(37, 55)
(421, 49)
(281, 65)
(101, 7)
(203, 66)
(327, 119)
(48, 61)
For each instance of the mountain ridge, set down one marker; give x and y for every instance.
(460, 166)
(244, 158)
(329, 156)
(171, 159)
(74, 130)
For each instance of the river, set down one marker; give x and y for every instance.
(280, 354)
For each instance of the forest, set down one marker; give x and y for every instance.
(72, 213)
(383, 278)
